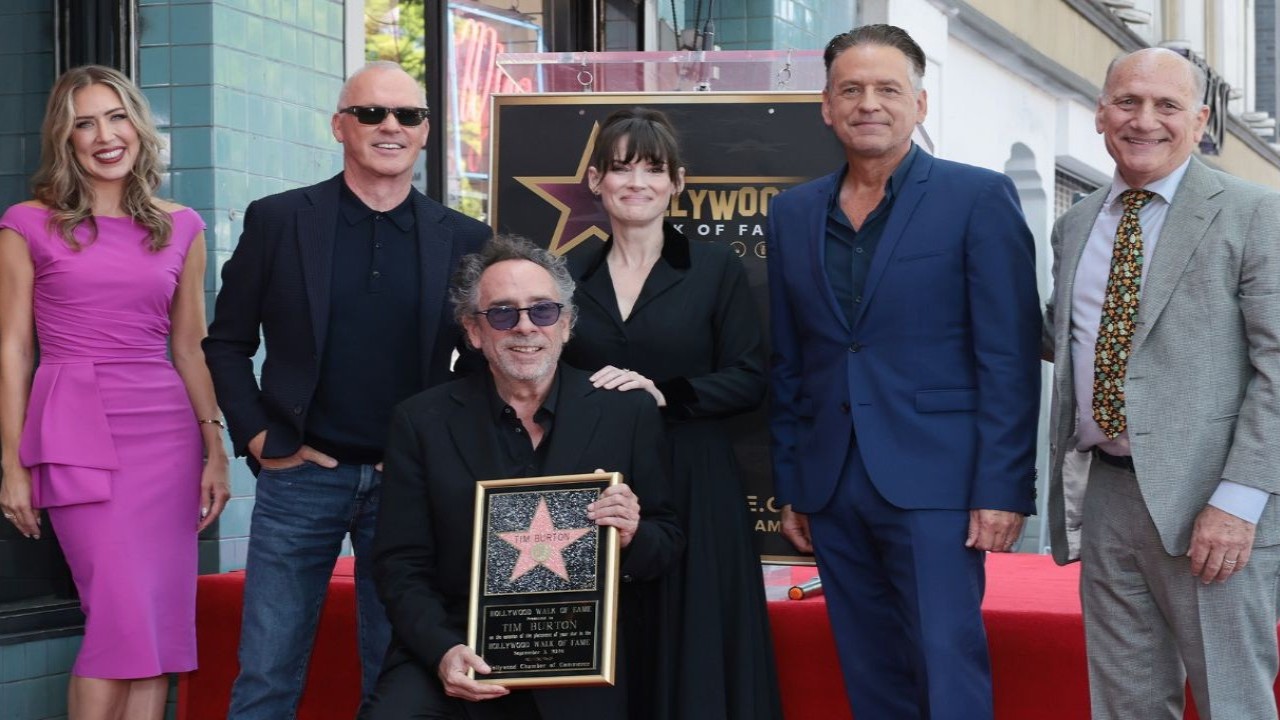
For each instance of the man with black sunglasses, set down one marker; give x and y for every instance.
(346, 283)
(528, 416)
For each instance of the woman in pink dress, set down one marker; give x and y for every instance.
(108, 435)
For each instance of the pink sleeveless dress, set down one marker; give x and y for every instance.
(112, 441)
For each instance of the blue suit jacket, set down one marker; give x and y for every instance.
(939, 368)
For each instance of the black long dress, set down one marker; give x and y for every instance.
(694, 331)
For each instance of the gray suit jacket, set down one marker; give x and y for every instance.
(1202, 391)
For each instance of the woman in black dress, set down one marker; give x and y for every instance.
(662, 315)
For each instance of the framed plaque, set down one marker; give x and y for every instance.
(544, 582)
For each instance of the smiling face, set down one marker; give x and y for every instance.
(871, 103)
(1149, 115)
(635, 193)
(102, 136)
(526, 353)
(388, 150)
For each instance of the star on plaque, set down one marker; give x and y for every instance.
(581, 214)
(542, 543)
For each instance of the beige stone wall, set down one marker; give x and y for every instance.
(1056, 30)
(1240, 160)
(1065, 36)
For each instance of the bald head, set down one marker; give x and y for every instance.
(1164, 57)
(380, 68)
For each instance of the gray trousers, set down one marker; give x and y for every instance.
(1150, 625)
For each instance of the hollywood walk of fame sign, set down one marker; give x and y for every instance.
(544, 582)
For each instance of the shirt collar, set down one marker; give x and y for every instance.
(675, 251)
(1165, 187)
(497, 405)
(892, 186)
(354, 211)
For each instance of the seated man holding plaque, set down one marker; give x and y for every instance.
(528, 417)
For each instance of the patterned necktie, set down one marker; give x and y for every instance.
(1119, 310)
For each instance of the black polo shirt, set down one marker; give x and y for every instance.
(849, 251)
(372, 355)
(518, 456)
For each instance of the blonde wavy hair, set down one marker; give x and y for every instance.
(64, 186)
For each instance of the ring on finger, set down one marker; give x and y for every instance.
(7, 516)
(1229, 563)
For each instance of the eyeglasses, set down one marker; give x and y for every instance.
(375, 114)
(505, 317)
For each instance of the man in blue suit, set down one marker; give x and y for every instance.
(906, 383)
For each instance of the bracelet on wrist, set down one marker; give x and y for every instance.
(213, 421)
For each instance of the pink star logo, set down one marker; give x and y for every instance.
(542, 544)
(581, 214)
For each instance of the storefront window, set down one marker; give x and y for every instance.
(478, 33)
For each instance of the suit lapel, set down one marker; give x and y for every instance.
(435, 243)
(575, 424)
(1075, 236)
(1190, 214)
(471, 428)
(596, 285)
(317, 226)
(823, 191)
(913, 190)
(670, 270)
(662, 277)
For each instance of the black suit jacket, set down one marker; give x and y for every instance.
(442, 441)
(275, 289)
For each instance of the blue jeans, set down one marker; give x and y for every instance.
(299, 519)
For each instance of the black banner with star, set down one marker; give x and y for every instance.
(740, 150)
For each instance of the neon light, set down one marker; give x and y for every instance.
(474, 76)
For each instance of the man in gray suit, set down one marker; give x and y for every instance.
(1167, 342)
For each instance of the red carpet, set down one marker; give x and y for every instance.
(333, 683)
(1032, 612)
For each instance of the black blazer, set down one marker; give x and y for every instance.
(442, 441)
(278, 280)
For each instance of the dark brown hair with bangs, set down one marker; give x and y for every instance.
(644, 133)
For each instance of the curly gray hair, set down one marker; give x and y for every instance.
(465, 290)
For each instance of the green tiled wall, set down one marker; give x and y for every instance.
(33, 679)
(244, 89)
(26, 54)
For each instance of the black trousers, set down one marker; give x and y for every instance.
(407, 690)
